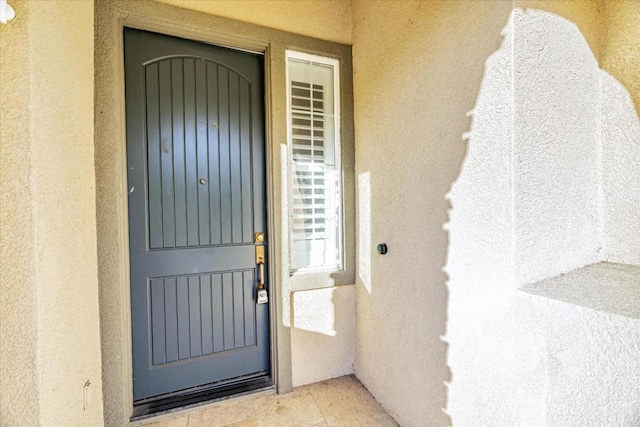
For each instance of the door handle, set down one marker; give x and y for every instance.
(261, 294)
(260, 262)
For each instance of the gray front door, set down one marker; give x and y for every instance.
(196, 182)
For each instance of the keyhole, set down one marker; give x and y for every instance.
(203, 181)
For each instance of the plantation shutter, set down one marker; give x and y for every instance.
(308, 154)
(314, 196)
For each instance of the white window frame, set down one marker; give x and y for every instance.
(335, 64)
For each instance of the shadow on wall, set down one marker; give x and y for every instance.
(322, 334)
(552, 172)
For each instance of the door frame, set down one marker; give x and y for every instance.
(223, 40)
(265, 227)
(111, 16)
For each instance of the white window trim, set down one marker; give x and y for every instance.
(292, 54)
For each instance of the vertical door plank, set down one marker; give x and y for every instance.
(224, 161)
(191, 156)
(177, 93)
(195, 331)
(227, 307)
(202, 149)
(249, 308)
(218, 313)
(245, 161)
(157, 321)
(214, 154)
(238, 309)
(182, 298)
(234, 158)
(171, 315)
(154, 179)
(206, 322)
(166, 154)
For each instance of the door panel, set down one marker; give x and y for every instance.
(184, 212)
(201, 314)
(195, 151)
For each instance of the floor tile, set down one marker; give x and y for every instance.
(252, 422)
(178, 421)
(345, 402)
(340, 402)
(295, 409)
(222, 415)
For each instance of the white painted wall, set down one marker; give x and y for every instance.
(549, 184)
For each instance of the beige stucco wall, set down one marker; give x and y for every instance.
(326, 19)
(50, 325)
(418, 67)
(621, 50)
(588, 15)
(18, 304)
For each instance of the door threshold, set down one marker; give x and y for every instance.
(200, 396)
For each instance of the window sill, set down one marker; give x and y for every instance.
(314, 270)
(318, 279)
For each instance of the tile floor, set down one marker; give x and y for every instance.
(338, 402)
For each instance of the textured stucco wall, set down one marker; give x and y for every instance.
(322, 334)
(589, 366)
(546, 118)
(19, 401)
(621, 173)
(417, 69)
(604, 286)
(621, 131)
(588, 15)
(621, 44)
(53, 274)
(556, 114)
(327, 19)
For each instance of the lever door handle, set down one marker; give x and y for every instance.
(261, 294)
(261, 278)
(260, 262)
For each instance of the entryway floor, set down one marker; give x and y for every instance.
(337, 402)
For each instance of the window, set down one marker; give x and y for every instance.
(315, 190)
